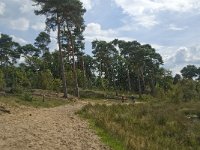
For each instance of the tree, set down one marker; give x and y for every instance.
(42, 41)
(124, 66)
(152, 68)
(166, 80)
(9, 50)
(73, 29)
(67, 17)
(189, 72)
(177, 78)
(105, 55)
(29, 50)
(89, 66)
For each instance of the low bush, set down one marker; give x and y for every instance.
(27, 97)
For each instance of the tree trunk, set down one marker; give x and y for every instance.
(62, 62)
(139, 86)
(75, 74)
(143, 81)
(74, 65)
(152, 86)
(84, 74)
(129, 80)
(100, 74)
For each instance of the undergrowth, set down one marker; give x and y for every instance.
(32, 101)
(150, 126)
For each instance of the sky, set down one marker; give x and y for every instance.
(172, 27)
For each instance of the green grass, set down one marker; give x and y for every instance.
(150, 126)
(107, 138)
(32, 101)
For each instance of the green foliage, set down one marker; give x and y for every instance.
(81, 79)
(148, 126)
(69, 78)
(177, 78)
(42, 41)
(189, 72)
(2, 81)
(27, 97)
(102, 83)
(107, 138)
(186, 90)
(91, 94)
(29, 100)
(46, 80)
(9, 51)
(57, 84)
(17, 89)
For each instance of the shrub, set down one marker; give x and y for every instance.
(17, 89)
(57, 84)
(27, 97)
(46, 80)
(186, 90)
(2, 81)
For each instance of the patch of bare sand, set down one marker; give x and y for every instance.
(47, 129)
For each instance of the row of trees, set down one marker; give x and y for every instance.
(33, 66)
(127, 65)
(115, 66)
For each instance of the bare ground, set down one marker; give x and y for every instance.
(47, 129)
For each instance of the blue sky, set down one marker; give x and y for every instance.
(170, 26)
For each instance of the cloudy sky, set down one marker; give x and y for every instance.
(172, 27)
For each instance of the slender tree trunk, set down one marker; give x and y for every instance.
(100, 74)
(139, 86)
(77, 93)
(129, 80)
(152, 86)
(143, 81)
(75, 74)
(115, 86)
(62, 62)
(84, 74)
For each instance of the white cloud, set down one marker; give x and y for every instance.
(26, 7)
(182, 57)
(148, 9)
(2, 8)
(38, 26)
(175, 28)
(20, 24)
(94, 31)
(87, 4)
(146, 21)
(19, 40)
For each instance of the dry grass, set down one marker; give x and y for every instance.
(149, 126)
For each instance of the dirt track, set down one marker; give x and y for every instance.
(47, 129)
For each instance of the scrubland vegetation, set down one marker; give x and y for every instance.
(27, 99)
(160, 125)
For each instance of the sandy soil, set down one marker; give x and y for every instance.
(47, 129)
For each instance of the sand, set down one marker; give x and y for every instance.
(47, 129)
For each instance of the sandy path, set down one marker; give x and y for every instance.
(47, 129)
